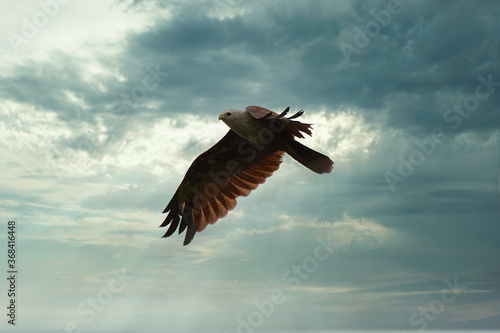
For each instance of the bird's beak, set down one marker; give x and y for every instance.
(221, 115)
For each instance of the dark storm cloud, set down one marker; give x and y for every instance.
(438, 52)
(41, 84)
(426, 53)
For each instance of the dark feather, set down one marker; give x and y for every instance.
(282, 114)
(298, 114)
(173, 226)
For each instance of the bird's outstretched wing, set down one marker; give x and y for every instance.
(233, 167)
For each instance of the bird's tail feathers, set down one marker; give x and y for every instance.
(308, 157)
(296, 128)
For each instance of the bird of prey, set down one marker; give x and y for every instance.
(248, 154)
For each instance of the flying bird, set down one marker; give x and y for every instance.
(244, 158)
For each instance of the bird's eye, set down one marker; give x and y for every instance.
(228, 114)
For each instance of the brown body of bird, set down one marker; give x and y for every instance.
(244, 158)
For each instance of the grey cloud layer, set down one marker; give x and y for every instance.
(440, 222)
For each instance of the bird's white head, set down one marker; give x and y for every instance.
(230, 116)
(242, 123)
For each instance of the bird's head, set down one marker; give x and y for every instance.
(228, 116)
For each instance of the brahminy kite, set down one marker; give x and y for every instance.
(248, 154)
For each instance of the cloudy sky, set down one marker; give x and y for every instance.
(105, 103)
